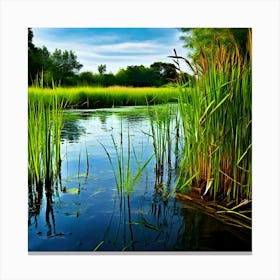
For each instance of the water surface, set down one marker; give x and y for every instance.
(87, 212)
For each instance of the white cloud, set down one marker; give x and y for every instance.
(115, 55)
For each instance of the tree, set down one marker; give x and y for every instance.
(34, 59)
(59, 66)
(164, 72)
(30, 39)
(63, 66)
(209, 39)
(86, 78)
(136, 75)
(109, 80)
(102, 69)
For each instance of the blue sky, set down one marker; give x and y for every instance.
(115, 47)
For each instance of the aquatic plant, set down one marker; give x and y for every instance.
(165, 134)
(216, 115)
(45, 121)
(125, 180)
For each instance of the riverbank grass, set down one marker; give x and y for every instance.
(98, 97)
(217, 121)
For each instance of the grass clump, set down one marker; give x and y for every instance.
(98, 97)
(124, 178)
(216, 114)
(45, 121)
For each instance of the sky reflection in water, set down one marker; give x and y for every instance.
(86, 212)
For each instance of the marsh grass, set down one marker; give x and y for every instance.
(124, 153)
(45, 121)
(165, 133)
(160, 124)
(126, 176)
(97, 97)
(216, 115)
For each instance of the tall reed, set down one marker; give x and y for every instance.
(161, 126)
(216, 114)
(45, 121)
(165, 132)
(125, 180)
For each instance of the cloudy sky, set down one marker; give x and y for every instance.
(115, 47)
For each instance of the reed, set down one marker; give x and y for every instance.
(216, 115)
(165, 132)
(160, 124)
(44, 133)
(125, 180)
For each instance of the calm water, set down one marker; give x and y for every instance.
(86, 212)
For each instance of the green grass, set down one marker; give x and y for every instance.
(97, 97)
(162, 126)
(216, 115)
(45, 121)
(124, 177)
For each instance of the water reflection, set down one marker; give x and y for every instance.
(35, 195)
(50, 220)
(72, 130)
(204, 233)
(82, 209)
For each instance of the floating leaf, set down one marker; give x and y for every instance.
(74, 191)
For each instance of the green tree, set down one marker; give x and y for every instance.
(86, 78)
(109, 80)
(209, 39)
(136, 76)
(164, 72)
(59, 66)
(63, 66)
(30, 39)
(121, 77)
(101, 69)
(34, 59)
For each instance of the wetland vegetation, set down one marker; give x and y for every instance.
(164, 168)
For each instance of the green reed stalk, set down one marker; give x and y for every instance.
(125, 180)
(87, 161)
(216, 116)
(45, 121)
(161, 126)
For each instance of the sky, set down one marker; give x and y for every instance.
(115, 47)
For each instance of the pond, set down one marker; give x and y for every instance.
(90, 210)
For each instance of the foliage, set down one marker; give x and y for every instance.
(63, 68)
(37, 58)
(63, 65)
(137, 76)
(101, 69)
(165, 72)
(125, 179)
(44, 131)
(59, 66)
(217, 121)
(212, 38)
(158, 74)
(96, 97)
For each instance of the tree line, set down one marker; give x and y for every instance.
(62, 68)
